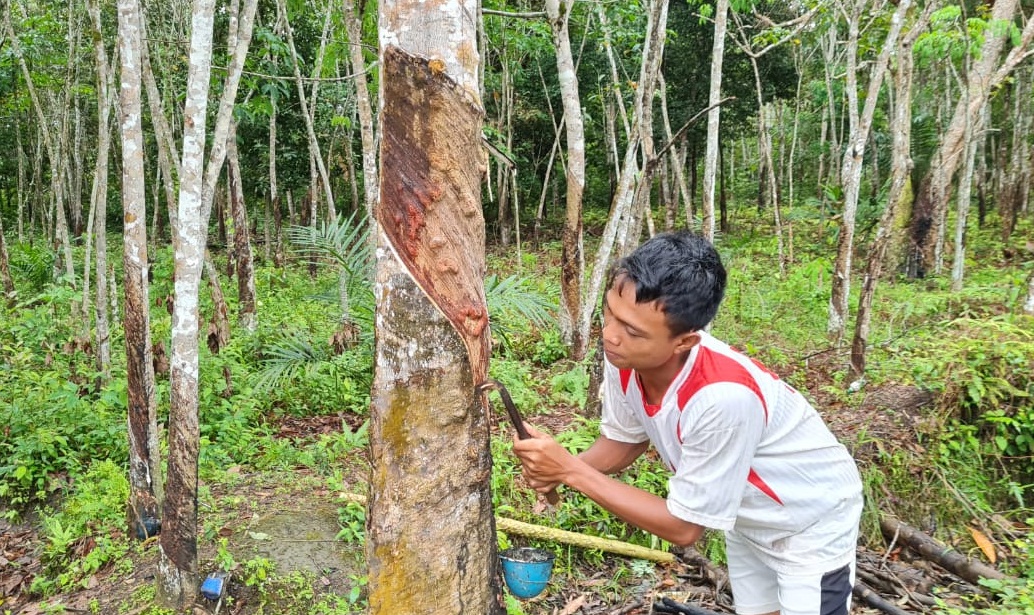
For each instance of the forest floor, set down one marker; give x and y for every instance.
(292, 521)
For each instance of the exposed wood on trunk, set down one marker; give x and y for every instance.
(145, 478)
(938, 553)
(430, 544)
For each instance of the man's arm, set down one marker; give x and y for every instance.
(612, 456)
(546, 463)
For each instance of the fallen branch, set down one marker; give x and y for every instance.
(869, 596)
(939, 553)
(541, 532)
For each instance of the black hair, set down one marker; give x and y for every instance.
(682, 272)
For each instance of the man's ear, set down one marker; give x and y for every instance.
(685, 341)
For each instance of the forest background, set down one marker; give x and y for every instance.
(863, 167)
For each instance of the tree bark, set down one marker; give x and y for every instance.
(721, 18)
(99, 199)
(177, 578)
(936, 552)
(984, 75)
(572, 258)
(901, 169)
(247, 315)
(353, 26)
(145, 476)
(851, 170)
(430, 545)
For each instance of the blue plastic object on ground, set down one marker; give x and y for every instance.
(214, 585)
(526, 570)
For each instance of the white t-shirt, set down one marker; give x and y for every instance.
(747, 451)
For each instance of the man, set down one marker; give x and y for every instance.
(748, 454)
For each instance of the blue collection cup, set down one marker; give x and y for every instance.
(526, 570)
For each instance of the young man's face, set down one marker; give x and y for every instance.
(636, 335)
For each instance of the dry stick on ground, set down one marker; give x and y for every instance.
(869, 596)
(940, 554)
(542, 532)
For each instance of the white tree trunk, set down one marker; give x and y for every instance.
(353, 25)
(144, 463)
(177, 578)
(962, 215)
(572, 258)
(721, 17)
(851, 170)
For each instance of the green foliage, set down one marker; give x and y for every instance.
(984, 370)
(86, 533)
(32, 264)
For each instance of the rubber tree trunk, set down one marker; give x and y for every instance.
(177, 578)
(572, 257)
(145, 477)
(934, 190)
(430, 542)
(353, 25)
(851, 169)
(898, 196)
(721, 18)
(99, 200)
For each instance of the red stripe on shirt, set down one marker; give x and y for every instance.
(626, 377)
(711, 367)
(756, 480)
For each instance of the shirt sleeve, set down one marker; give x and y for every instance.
(620, 421)
(720, 432)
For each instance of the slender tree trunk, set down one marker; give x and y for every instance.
(622, 214)
(247, 314)
(984, 75)
(1028, 304)
(314, 147)
(177, 578)
(900, 192)
(5, 267)
(713, 117)
(163, 133)
(431, 542)
(145, 476)
(851, 169)
(572, 259)
(353, 25)
(273, 202)
(99, 198)
(962, 215)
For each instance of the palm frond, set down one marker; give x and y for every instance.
(345, 241)
(287, 358)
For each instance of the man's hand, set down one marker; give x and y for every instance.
(545, 463)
